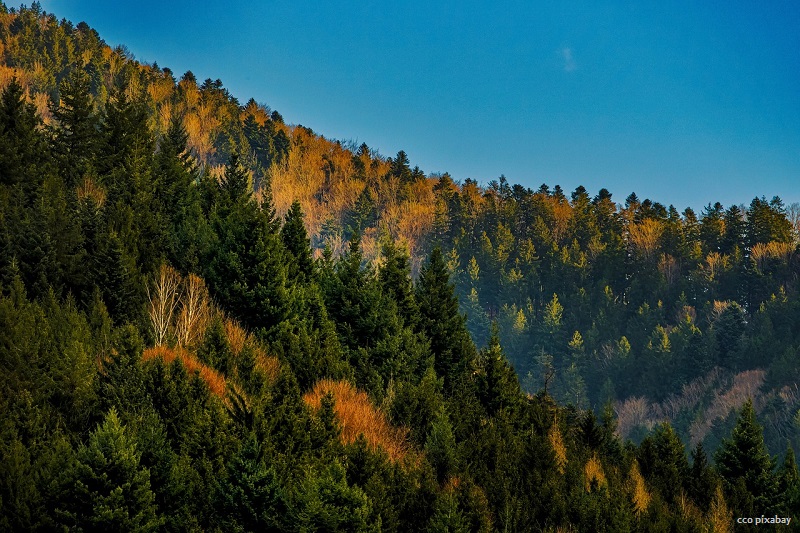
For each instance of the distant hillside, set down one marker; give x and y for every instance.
(619, 302)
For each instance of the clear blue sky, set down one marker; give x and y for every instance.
(682, 102)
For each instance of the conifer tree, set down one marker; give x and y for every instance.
(440, 447)
(746, 466)
(789, 484)
(395, 280)
(498, 386)
(76, 134)
(246, 263)
(295, 239)
(22, 148)
(250, 497)
(110, 490)
(441, 322)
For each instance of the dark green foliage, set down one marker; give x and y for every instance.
(76, 139)
(440, 447)
(250, 498)
(441, 321)
(662, 459)
(245, 264)
(109, 489)
(746, 466)
(23, 151)
(326, 502)
(298, 245)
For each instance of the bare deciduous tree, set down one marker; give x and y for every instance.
(164, 297)
(195, 312)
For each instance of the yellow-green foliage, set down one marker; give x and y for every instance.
(593, 474)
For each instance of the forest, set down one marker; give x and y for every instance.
(214, 320)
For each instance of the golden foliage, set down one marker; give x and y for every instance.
(689, 511)
(715, 262)
(720, 519)
(358, 416)
(639, 493)
(268, 365)
(237, 336)
(259, 113)
(644, 236)
(593, 474)
(562, 214)
(559, 448)
(760, 253)
(90, 191)
(41, 101)
(215, 381)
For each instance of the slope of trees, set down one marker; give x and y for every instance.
(177, 353)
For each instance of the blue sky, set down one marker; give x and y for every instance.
(682, 102)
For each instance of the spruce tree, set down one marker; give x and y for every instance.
(245, 264)
(110, 489)
(295, 239)
(395, 280)
(441, 322)
(76, 135)
(747, 467)
(22, 148)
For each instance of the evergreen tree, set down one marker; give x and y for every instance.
(441, 322)
(250, 497)
(395, 280)
(295, 239)
(746, 466)
(789, 484)
(23, 151)
(440, 447)
(110, 491)
(246, 262)
(76, 134)
(497, 384)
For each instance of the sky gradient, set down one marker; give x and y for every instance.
(682, 103)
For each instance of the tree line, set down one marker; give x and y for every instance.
(176, 356)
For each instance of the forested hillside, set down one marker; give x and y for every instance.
(211, 320)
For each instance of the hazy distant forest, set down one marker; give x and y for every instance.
(213, 320)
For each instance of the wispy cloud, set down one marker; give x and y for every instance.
(569, 59)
